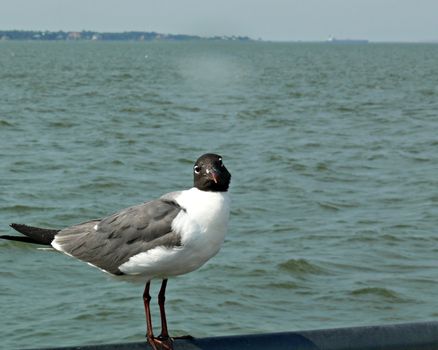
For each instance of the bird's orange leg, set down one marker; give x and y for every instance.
(163, 341)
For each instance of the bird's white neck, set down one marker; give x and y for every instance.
(205, 213)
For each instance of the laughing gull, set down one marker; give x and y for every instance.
(169, 236)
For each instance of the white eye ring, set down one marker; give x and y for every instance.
(197, 169)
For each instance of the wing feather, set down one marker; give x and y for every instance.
(109, 242)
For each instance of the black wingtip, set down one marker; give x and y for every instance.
(24, 239)
(36, 234)
(17, 227)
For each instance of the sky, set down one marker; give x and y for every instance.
(276, 20)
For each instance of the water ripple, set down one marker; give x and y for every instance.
(334, 186)
(301, 267)
(388, 295)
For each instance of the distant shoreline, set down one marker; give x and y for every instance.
(85, 35)
(140, 36)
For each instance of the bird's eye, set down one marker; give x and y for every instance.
(197, 169)
(220, 162)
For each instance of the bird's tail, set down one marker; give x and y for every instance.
(34, 235)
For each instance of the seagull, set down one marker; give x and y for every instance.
(169, 236)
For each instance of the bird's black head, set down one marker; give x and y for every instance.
(210, 173)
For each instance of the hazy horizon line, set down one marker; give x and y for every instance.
(407, 41)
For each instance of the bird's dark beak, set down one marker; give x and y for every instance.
(214, 175)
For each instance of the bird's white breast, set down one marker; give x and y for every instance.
(202, 224)
(204, 220)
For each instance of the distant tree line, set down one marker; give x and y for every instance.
(91, 35)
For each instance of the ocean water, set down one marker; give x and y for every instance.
(333, 151)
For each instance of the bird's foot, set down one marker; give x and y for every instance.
(160, 342)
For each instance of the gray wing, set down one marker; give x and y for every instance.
(123, 234)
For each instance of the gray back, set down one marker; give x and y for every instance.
(123, 234)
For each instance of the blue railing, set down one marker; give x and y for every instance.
(407, 336)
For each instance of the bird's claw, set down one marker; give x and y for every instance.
(160, 342)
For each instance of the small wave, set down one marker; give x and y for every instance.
(250, 114)
(328, 206)
(336, 206)
(117, 162)
(300, 267)
(6, 273)
(84, 317)
(5, 123)
(281, 229)
(373, 236)
(61, 124)
(393, 238)
(296, 94)
(428, 92)
(284, 285)
(312, 145)
(100, 185)
(130, 109)
(345, 109)
(121, 77)
(321, 166)
(383, 293)
(20, 208)
(192, 109)
(257, 273)
(185, 161)
(231, 303)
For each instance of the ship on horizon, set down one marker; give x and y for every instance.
(334, 40)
